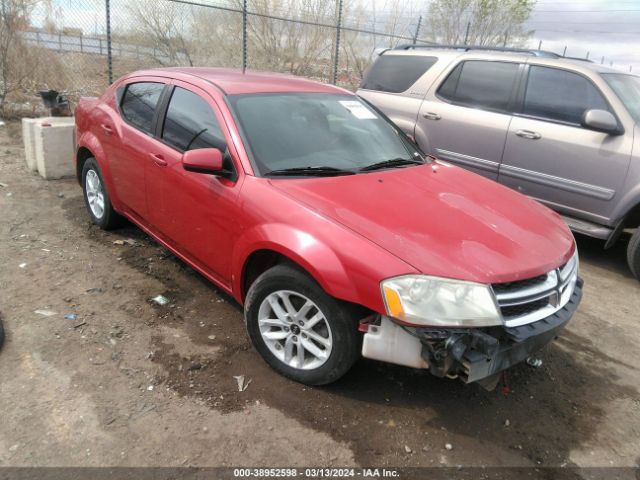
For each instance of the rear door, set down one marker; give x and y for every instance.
(131, 141)
(196, 213)
(466, 116)
(551, 157)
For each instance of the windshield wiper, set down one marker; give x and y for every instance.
(311, 171)
(394, 162)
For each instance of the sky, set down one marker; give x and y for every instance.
(609, 28)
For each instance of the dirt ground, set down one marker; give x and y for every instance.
(130, 383)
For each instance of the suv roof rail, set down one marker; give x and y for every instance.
(466, 48)
(580, 59)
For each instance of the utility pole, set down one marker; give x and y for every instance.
(415, 36)
(466, 35)
(564, 52)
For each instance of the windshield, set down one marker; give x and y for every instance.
(627, 87)
(317, 133)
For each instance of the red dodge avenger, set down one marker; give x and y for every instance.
(331, 227)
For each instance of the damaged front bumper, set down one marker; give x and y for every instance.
(471, 354)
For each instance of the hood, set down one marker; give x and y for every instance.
(442, 220)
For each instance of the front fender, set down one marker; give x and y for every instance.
(318, 259)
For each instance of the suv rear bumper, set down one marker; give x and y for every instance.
(473, 355)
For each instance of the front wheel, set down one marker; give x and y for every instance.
(633, 253)
(300, 331)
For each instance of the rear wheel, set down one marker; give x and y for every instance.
(633, 253)
(300, 331)
(96, 197)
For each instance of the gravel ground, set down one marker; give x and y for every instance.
(131, 383)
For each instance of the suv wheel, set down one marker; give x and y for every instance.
(300, 331)
(633, 253)
(96, 197)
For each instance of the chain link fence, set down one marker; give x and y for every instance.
(78, 47)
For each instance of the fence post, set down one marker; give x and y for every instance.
(415, 36)
(109, 52)
(59, 41)
(81, 49)
(337, 52)
(244, 35)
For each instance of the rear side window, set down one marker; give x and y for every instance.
(560, 95)
(396, 73)
(480, 84)
(190, 123)
(139, 104)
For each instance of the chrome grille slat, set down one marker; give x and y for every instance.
(550, 282)
(522, 302)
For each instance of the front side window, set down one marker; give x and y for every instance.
(560, 95)
(627, 87)
(190, 123)
(317, 131)
(396, 73)
(139, 103)
(480, 84)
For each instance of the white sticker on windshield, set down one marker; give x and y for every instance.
(358, 110)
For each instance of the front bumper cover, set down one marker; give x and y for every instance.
(481, 354)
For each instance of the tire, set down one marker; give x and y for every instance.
(335, 336)
(93, 187)
(633, 253)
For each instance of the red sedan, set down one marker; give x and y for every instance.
(336, 233)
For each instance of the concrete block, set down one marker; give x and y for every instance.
(29, 139)
(54, 147)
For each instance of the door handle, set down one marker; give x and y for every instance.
(106, 129)
(431, 116)
(528, 134)
(158, 159)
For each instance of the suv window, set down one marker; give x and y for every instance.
(481, 84)
(396, 73)
(560, 95)
(190, 123)
(139, 104)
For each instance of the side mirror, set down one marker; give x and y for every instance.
(601, 121)
(203, 160)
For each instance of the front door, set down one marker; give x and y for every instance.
(195, 212)
(551, 157)
(466, 120)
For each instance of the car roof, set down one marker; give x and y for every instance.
(237, 82)
(576, 63)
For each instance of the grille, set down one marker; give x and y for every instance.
(526, 301)
(510, 286)
(524, 308)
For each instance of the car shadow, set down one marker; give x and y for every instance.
(613, 259)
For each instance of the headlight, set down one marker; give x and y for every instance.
(440, 302)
